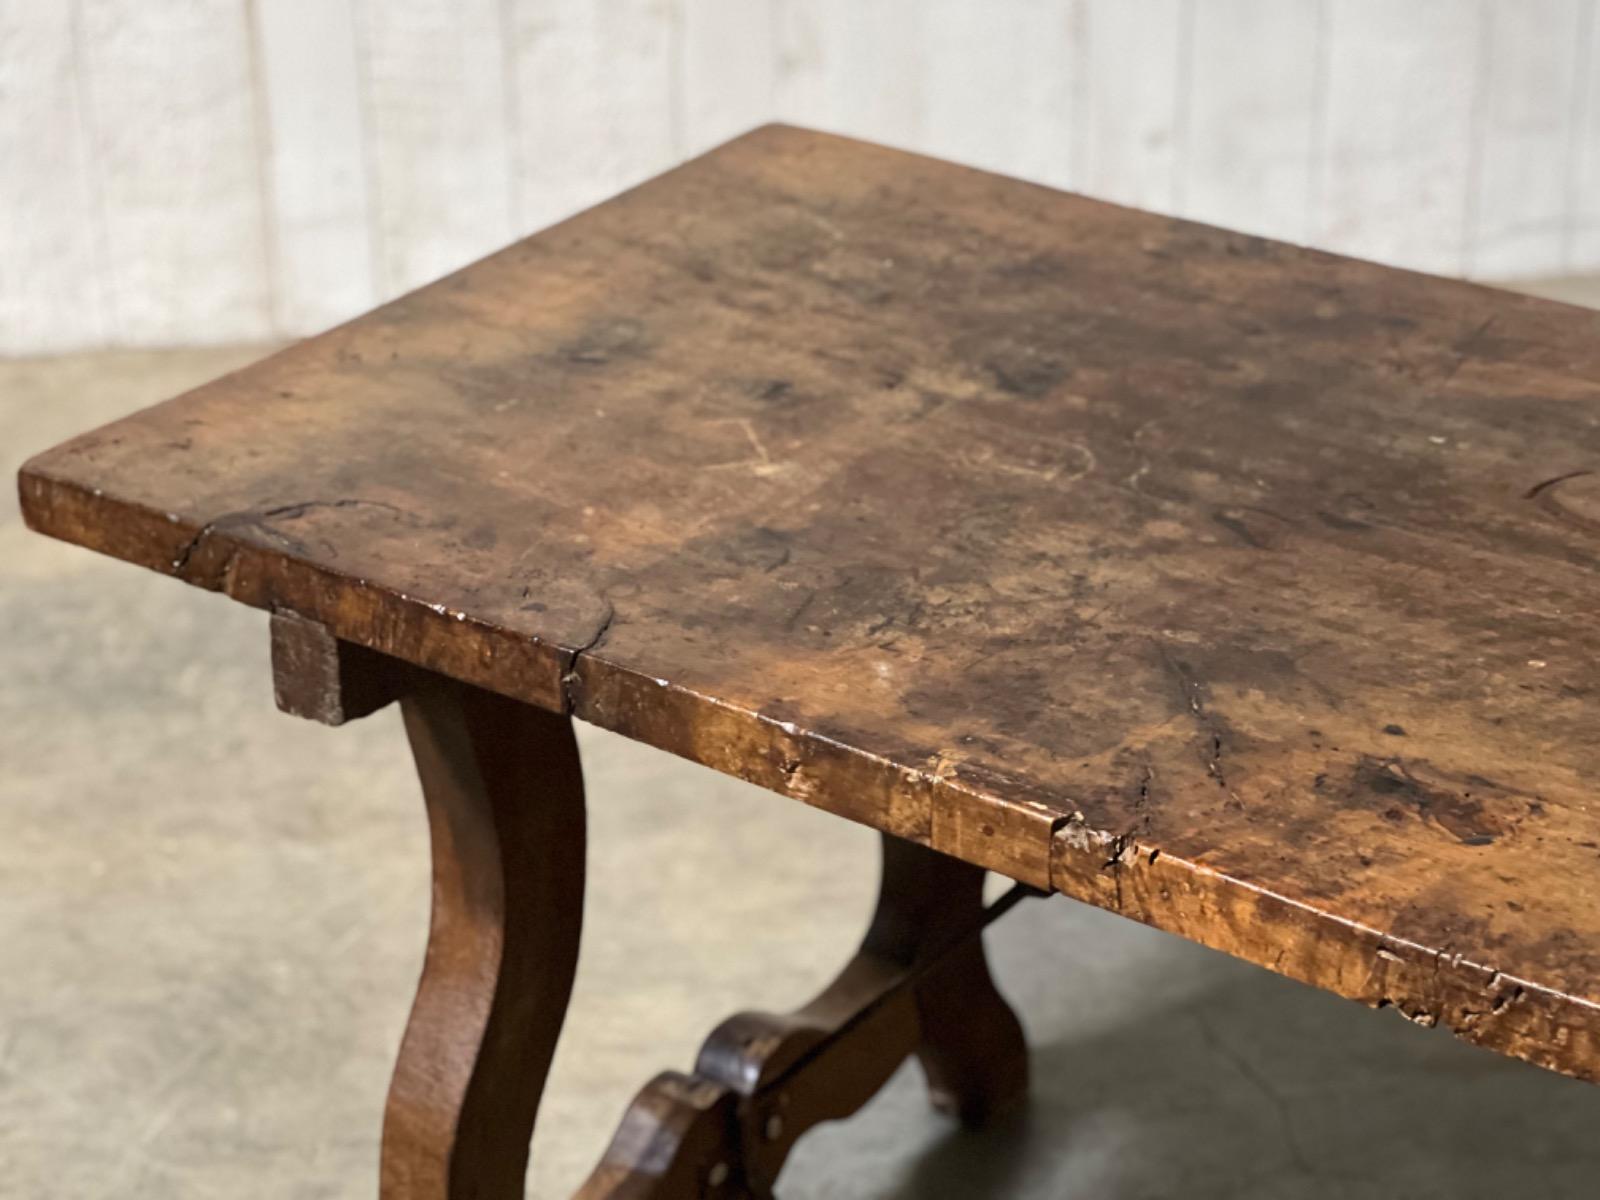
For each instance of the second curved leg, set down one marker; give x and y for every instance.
(919, 985)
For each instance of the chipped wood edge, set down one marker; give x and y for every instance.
(1474, 1001)
(928, 806)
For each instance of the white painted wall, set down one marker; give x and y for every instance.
(179, 171)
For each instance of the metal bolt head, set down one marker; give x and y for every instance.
(774, 1127)
(719, 1175)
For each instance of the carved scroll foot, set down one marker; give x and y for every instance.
(919, 985)
(504, 794)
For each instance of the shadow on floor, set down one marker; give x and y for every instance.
(1223, 1081)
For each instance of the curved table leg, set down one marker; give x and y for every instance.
(504, 795)
(919, 985)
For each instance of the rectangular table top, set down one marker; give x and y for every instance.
(1245, 589)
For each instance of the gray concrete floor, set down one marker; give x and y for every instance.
(212, 917)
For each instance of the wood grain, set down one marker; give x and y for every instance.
(504, 793)
(320, 678)
(1055, 536)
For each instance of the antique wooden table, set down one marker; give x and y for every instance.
(1245, 590)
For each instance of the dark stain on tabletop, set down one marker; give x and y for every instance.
(1029, 514)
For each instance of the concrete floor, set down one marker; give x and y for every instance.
(212, 917)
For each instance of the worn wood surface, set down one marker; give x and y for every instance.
(1241, 588)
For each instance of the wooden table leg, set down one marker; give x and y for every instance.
(505, 809)
(504, 795)
(919, 985)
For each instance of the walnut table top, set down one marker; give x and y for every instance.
(1247, 590)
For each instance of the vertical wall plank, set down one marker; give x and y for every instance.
(1002, 95)
(1399, 131)
(50, 276)
(174, 136)
(1138, 63)
(727, 69)
(597, 106)
(1583, 215)
(1518, 211)
(853, 68)
(201, 170)
(437, 115)
(1252, 115)
(316, 162)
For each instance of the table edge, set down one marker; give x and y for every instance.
(1045, 845)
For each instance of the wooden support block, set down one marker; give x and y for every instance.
(318, 676)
